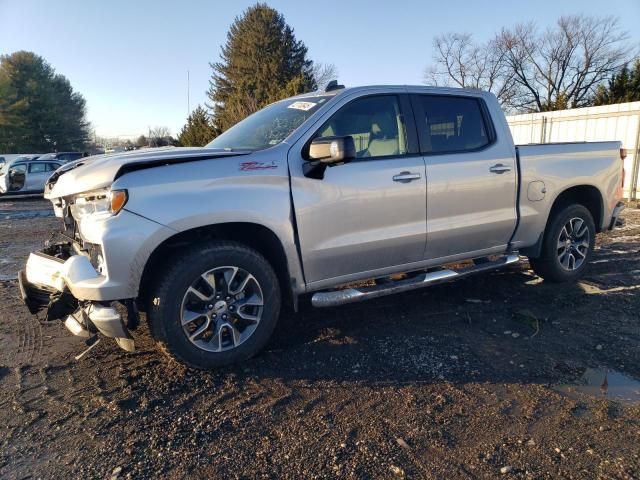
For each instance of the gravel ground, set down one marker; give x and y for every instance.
(463, 380)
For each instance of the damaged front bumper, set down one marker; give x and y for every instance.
(56, 283)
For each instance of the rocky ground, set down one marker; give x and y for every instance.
(475, 379)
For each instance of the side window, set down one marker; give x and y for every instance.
(37, 167)
(452, 124)
(375, 123)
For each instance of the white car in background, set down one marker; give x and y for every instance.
(26, 174)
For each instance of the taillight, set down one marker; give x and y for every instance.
(623, 155)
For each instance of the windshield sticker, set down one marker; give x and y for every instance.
(248, 166)
(302, 105)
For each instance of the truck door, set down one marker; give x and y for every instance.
(471, 177)
(368, 214)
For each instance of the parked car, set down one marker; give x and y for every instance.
(308, 196)
(26, 174)
(62, 156)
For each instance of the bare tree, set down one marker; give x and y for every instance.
(531, 70)
(561, 67)
(323, 73)
(159, 136)
(461, 62)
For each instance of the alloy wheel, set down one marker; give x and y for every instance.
(221, 309)
(573, 244)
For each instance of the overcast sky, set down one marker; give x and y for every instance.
(130, 59)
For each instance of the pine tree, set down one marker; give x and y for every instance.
(39, 110)
(261, 62)
(623, 86)
(198, 130)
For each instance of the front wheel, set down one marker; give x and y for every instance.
(567, 246)
(215, 306)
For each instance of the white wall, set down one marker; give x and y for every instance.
(610, 122)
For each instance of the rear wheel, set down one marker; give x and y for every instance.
(215, 306)
(567, 245)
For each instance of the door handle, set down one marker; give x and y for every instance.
(406, 177)
(499, 168)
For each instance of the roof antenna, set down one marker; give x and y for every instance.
(333, 85)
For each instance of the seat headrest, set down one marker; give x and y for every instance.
(383, 125)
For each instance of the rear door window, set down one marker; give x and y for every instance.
(37, 167)
(449, 124)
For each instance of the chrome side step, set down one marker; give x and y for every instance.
(350, 295)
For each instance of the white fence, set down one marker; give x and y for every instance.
(609, 122)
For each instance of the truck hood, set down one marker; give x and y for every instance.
(100, 171)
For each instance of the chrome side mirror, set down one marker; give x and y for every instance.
(328, 152)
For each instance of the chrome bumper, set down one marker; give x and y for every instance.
(75, 273)
(49, 281)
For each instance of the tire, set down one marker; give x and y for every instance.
(185, 290)
(559, 245)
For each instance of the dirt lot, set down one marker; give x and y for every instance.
(465, 380)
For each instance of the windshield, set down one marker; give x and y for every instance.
(47, 156)
(269, 126)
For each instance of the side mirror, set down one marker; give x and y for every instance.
(332, 149)
(327, 152)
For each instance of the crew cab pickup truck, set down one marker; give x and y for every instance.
(343, 195)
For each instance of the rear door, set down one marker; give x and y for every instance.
(471, 177)
(368, 214)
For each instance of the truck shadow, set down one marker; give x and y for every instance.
(507, 326)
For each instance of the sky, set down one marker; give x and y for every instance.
(130, 59)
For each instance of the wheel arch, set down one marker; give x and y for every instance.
(253, 235)
(587, 195)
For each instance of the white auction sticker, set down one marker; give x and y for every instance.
(302, 105)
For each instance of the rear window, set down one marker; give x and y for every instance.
(451, 124)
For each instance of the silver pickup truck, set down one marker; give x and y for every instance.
(345, 194)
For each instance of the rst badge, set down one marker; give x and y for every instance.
(248, 166)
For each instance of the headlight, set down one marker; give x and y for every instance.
(98, 204)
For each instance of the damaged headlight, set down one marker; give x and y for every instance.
(98, 204)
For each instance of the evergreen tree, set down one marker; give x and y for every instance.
(39, 110)
(623, 86)
(261, 62)
(198, 130)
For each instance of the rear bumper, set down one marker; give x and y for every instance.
(616, 221)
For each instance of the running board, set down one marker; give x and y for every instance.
(350, 295)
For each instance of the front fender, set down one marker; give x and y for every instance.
(188, 196)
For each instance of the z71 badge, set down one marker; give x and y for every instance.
(247, 166)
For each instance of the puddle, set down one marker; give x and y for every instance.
(604, 383)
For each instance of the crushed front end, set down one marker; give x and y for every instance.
(69, 279)
(53, 282)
